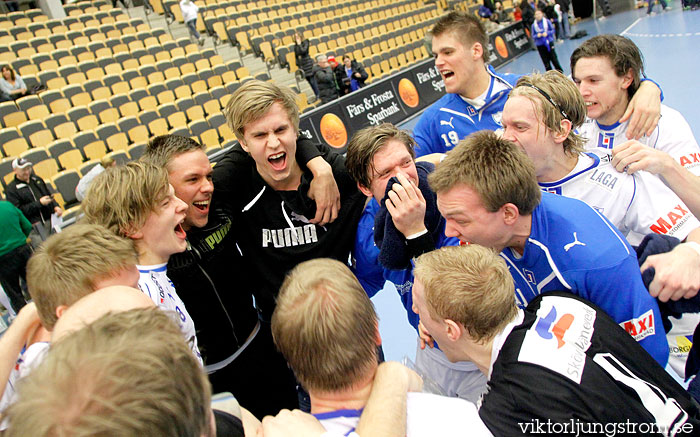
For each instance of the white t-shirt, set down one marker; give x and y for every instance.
(189, 10)
(637, 204)
(426, 415)
(672, 135)
(28, 361)
(155, 283)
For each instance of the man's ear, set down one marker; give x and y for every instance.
(364, 190)
(563, 133)
(243, 145)
(510, 213)
(454, 330)
(627, 79)
(477, 51)
(60, 310)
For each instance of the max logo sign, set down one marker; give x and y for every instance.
(549, 327)
(641, 327)
(663, 226)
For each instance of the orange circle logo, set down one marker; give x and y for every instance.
(408, 93)
(333, 130)
(501, 47)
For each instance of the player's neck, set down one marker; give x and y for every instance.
(147, 257)
(558, 167)
(614, 114)
(290, 183)
(353, 398)
(478, 85)
(479, 354)
(521, 232)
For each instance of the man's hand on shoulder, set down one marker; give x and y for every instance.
(643, 110)
(324, 190)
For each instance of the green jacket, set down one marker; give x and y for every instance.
(14, 227)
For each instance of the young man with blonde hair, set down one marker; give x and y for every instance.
(136, 201)
(488, 193)
(270, 204)
(333, 352)
(560, 365)
(475, 93)
(541, 116)
(127, 373)
(401, 221)
(68, 266)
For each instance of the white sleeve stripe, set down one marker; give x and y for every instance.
(543, 283)
(461, 114)
(554, 267)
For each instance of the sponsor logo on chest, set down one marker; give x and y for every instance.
(603, 179)
(289, 237)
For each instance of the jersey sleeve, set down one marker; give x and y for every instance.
(618, 289)
(655, 208)
(365, 264)
(676, 138)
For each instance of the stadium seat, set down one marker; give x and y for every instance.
(66, 182)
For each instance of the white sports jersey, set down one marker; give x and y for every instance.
(637, 204)
(155, 283)
(28, 361)
(426, 415)
(672, 135)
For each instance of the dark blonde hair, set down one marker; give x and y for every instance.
(325, 326)
(495, 168)
(470, 285)
(162, 149)
(366, 143)
(565, 97)
(67, 266)
(121, 198)
(254, 99)
(126, 374)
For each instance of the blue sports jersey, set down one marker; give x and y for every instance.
(369, 271)
(573, 247)
(451, 118)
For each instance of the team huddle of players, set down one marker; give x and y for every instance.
(535, 173)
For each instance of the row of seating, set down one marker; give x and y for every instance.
(86, 7)
(132, 31)
(47, 67)
(18, 18)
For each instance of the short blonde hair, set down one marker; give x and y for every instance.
(368, 142)
(495, 168)
(126, 374)
(325, 326)
(254, 99)
(565, 98)
(67, 266)
(121, 198)
(470, 285)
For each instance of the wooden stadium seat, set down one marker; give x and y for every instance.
(138, 133)
(212, 107)
(129, 109)
(15, 147)
(38, 112)
(60, 106)
(158, 126)
(95, 150)
(41, 138)
(46, 169)
(72, 159)
(65, 130)
(177, 120)
(89, 122)
(118, 141)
